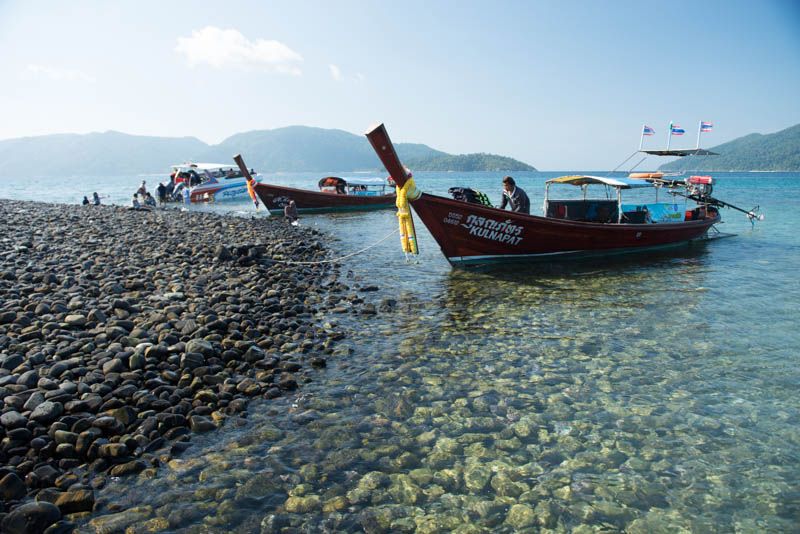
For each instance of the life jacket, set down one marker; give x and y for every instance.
(466, 194)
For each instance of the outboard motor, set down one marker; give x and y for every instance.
(700, 187)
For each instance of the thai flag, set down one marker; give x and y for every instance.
(648, 131)
(706, 126)
(676, 130)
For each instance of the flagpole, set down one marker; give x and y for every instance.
(669, 135)
(699, 129)
(641, 137)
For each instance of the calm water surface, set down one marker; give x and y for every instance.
(654, 393)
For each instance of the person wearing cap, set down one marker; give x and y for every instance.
(515, 197)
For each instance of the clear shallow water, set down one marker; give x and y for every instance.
(654, 393)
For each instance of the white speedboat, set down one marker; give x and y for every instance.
(210, 182)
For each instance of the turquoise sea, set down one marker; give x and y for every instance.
(645, 394)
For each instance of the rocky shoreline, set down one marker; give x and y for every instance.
(124, 332)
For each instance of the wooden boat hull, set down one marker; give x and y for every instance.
(474, 234)
(276, 197)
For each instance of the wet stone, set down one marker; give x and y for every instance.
(31, 517)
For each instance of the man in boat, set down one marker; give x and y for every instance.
(515, 197)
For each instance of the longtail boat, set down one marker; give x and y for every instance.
(471, 233)
(335, 194)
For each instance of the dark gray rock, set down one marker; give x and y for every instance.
(47, 412)
(31, 517)
(13, 419)
(12, 488)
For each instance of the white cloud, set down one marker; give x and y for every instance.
(336, 72)
(225, 48)
(58, 73)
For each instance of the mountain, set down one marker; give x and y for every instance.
(94, 154)
(466, 163)
(779, 151)
(294, 148)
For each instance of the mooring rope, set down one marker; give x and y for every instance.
(381, 240)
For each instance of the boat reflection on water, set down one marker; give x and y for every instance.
(524, 295)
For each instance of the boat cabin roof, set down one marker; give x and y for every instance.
(582, 179)
(681, 152)
(186, 167)
(333, 181)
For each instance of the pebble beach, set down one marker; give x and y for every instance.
(123, 333)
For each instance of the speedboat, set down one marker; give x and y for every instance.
(473, 233)
(210, 182)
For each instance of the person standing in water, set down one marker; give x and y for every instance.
(290, 212)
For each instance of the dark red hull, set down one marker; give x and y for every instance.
(276, 197)
(471, 233)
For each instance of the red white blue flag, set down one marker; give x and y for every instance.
(676, 130)
(648, 131)
(706, 126)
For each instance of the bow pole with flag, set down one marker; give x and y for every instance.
(704, 127)
(673, 130)
(646, 130)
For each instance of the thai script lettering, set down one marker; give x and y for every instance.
(504, 232)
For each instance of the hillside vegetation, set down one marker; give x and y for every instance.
(467, 162)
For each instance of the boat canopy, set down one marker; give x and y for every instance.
(333, 181)
(581, 180)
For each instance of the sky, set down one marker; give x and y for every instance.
(564, 85)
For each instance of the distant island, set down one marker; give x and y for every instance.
(289, 149)
(467, 162)
(779, 151)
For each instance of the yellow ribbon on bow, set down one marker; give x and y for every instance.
(408, 235)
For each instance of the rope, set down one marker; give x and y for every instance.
(621, 164)
(381, 240)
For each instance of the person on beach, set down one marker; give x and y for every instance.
(85, 200)
(161, 192)
(96, 198)
(135, 202)
(187, 196)
(290, 212)
(149, 200)
(142, 191)
(515, 197)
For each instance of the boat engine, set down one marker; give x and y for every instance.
(699, 187)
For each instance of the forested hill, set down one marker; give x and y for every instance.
(467, 162)
(290, 149)
(779, 151)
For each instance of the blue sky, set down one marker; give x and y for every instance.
(560, 85)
